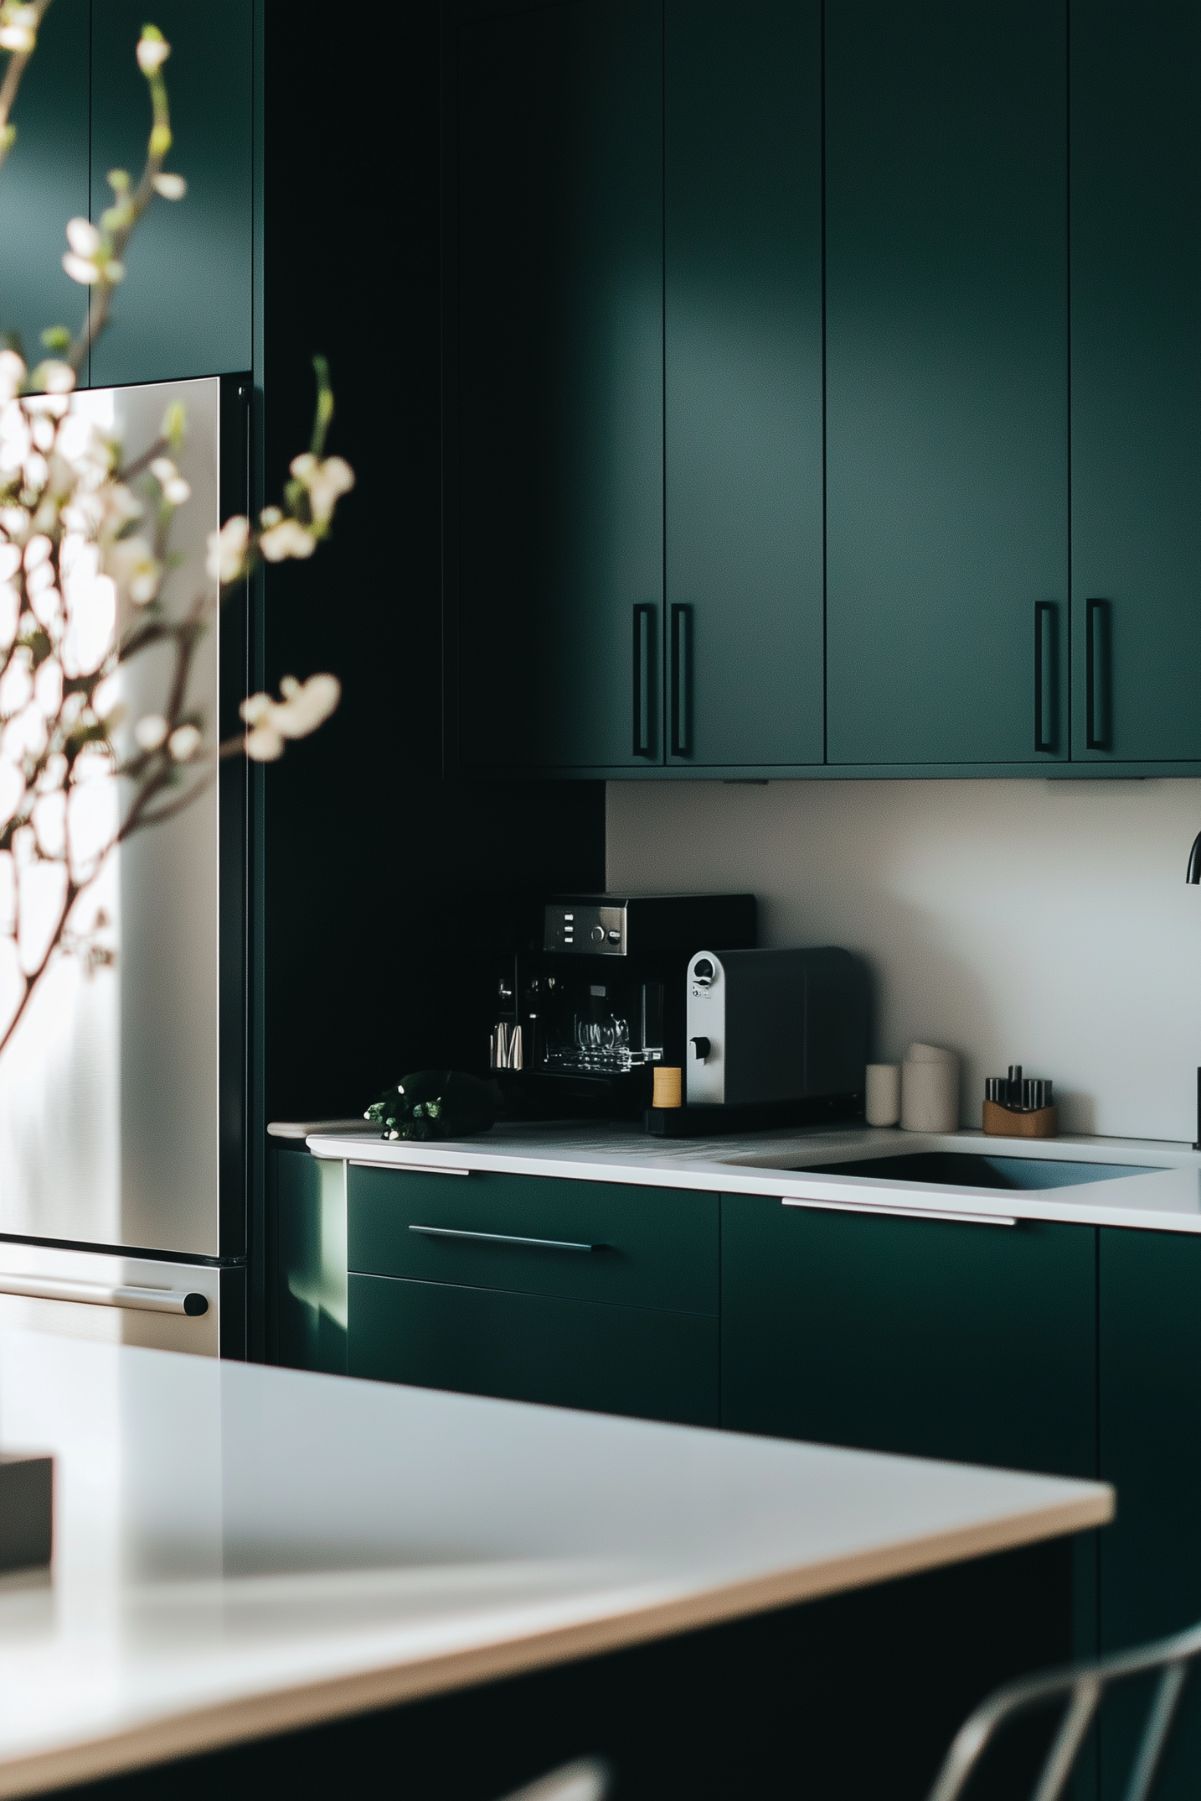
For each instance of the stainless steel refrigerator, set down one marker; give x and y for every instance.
(123, 1095)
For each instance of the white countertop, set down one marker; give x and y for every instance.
(1167, 1201)
(242, 1550)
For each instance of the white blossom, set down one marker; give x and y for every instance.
(325, 480)
(12, 375)
(151, 732)
(54, 377)
(184, 742)
(12, 790)
(288, 538)
(153, 51)
(135, 569)
(227, 550)
(263, 744)
(19, 29)
(174, 488)
(88, 260)
(303, 707)
(103, 512)
(171, 187)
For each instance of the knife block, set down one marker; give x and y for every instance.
(1013, 1122)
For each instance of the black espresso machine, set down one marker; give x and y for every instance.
(585, 1012)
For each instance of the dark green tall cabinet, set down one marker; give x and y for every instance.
(1136, 379)
(743, 372)
(44, 181)
(186, 306)
(556, 406)
(635, 423)
(946, 382)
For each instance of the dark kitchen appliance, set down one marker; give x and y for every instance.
(775, 1035)
(584, 1014)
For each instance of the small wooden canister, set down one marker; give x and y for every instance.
(1010, 1122)
(667, 1086)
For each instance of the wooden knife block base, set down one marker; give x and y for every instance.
(1006, 1122)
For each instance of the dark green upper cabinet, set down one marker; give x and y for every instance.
(1136, 379)
(743, 363)
(185, 306)
(556, 407)
(946, 382)
(44, 182)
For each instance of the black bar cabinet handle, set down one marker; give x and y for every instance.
(1096, 726)
(541, 1244)
(681, 711)
(643, 618)
(1044, 675)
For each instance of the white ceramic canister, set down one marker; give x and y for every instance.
(882, 1094)
(930, 1089)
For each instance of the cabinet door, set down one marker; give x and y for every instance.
(556, 465)
(1150, 1367)
(946, 382)
(44, 182)
(942, 1339)
(184, 308)
(535, 1348)
(1136, 379)
(743, 362)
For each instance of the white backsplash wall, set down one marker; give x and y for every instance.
(1034, 922)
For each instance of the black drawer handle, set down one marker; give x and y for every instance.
(644, 616)
(681, 680)
(1044, 675)
(1096, 673)
(542, 1244)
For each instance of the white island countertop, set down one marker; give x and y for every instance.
(1166, 1200)
(244, 1550)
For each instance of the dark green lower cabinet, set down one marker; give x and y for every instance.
(526, 1347)
(1150, 1357)
(940, 1339)
(306, 1253)
(928, 1337)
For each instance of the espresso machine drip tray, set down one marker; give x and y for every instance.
(563, 1060)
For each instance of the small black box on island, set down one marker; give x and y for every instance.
(26, 1510)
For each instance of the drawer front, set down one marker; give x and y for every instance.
(936, 1338)
(594, 1241)
(627, 1360)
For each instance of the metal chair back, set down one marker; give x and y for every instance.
(1080, 1688)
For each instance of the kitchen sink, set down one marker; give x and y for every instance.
(971, 1169)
